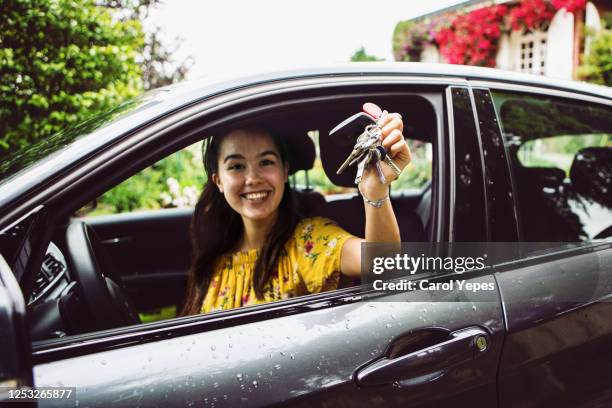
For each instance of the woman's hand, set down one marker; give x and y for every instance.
(397, 149)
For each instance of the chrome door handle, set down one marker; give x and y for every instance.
(429, 363)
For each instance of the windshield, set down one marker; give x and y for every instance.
(21, 159)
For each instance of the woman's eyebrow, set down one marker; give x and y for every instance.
(239, 156)
(272, 152)
(233, 156)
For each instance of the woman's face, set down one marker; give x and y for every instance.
(251, 174)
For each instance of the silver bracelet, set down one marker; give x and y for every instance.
(377, 203)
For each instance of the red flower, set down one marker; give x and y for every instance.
(484, 44)
(308, 246)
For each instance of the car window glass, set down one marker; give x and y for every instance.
(560, 153)
(414, 177)
(173, 182)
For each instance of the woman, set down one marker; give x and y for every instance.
(251, 246)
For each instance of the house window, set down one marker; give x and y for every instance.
(531, 53)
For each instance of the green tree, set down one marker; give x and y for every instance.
(597, 64)
(62, 61)
(159, 68)
(361, 55)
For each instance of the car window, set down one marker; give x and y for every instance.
(173, 182)
(415, 177)
(143, 224)
(560, 152)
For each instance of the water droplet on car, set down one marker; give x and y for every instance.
(216, 384)
(388, 326)
(103, 362)
(255, 384)
(474, 307)
(277, 367)
(213, 348)
(239, 377)
(292, 356)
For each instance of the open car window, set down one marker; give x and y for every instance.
(143, 223)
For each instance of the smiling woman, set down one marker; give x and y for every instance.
(262, 248)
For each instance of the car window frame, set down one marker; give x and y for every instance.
(558, 252)
(54, 349)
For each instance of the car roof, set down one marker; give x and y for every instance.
(194, 87)
(159, 102)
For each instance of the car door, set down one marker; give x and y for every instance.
(15, 366)
(350, 347)
(556, 294)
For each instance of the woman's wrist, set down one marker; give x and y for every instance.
(373, 189)
(374, 203)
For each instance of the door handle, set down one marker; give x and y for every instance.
(429, 363)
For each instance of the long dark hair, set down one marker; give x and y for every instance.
(216, 228)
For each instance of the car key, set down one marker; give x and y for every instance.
(344, 133)
(360, 168)
(356, 154)
(377, 157)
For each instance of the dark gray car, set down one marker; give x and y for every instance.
(515, 159)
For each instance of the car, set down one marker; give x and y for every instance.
(517, 162)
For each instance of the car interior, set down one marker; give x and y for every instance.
(108, 271)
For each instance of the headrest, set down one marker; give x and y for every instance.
(333, 154)
(301, 151)
(591, 174)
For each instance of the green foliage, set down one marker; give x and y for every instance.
(153, 187)
(62, 61)
(400, 35)
(361, 55)
(597, 64)
(559, 151)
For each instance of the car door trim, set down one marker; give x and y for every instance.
(492, 86)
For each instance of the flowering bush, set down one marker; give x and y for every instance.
(472, 38)
(531, 14)
(410, 37)
(570, 5)
(536, 14)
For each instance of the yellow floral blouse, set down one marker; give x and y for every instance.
(311, 264)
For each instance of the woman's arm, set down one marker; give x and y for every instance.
(381, 224)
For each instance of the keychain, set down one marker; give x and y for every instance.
(368, 148)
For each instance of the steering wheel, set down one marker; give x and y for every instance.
(100, 284)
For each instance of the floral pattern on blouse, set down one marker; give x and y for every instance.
(309, 264)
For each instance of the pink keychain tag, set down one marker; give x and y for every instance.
(372, 109)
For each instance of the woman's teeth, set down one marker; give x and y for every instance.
(256, 196)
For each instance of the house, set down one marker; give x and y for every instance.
(543, 37)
